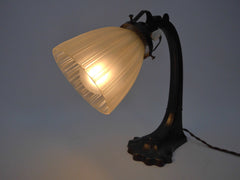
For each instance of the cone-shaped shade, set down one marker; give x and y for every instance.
(101, 65)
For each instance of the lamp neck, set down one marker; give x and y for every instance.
(176, 63)
(144, 30)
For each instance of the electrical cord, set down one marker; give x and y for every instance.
(210, 146)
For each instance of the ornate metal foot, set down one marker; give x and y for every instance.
(155, 150)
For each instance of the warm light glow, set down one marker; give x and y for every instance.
(93, 71)
(88, 82)
(97, 73)
(94, 78)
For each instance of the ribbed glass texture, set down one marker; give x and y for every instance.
(101, 65)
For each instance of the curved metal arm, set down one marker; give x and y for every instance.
(176, 76)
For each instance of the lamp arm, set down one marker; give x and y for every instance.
(173, 116)
(157, 147)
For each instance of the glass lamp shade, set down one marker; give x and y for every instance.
(101, 65)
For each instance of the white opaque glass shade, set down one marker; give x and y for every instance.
(101, 65)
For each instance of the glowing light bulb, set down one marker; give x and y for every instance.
(94, 78)
(88, 82)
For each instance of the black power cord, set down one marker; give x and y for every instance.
(210, 146)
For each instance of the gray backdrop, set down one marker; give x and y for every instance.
(47, 130)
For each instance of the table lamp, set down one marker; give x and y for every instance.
(103, 64)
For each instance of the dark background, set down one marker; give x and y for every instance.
(47, 130)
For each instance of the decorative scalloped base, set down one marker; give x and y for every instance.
(155, 150)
